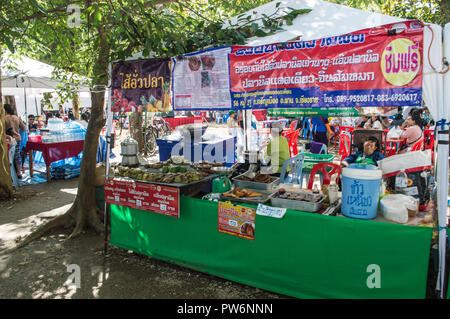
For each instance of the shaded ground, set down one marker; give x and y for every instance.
(39, 270)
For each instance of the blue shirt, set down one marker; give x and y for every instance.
(376, 156)
(317, 125)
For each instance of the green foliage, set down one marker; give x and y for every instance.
(431, 11)
(39, 29)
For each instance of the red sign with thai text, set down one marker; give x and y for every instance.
(150, 197)
(372, 67)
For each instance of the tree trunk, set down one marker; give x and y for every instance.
(137, 130)
(76, 106)
(84, 212)
(5, 171)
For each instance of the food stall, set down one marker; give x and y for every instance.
(258, 231)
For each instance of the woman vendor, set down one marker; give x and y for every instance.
(413, 133)
(277, 150)
(369, 155)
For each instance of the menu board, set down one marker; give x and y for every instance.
(236, 220)
(150, 197)
(202, 80)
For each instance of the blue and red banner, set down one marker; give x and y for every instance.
(380, 66)
(371, 67)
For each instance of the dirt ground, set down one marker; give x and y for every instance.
(41, 269)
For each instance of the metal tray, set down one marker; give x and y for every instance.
(250, 200)
(301, 205)
(255, 185)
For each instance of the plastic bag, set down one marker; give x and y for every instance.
(395, 207)
(394, 133)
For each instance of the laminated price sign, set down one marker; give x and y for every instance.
(149, 197)
(237, 220)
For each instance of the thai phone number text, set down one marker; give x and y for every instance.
(372, 97)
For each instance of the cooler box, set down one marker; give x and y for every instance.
(360, 191)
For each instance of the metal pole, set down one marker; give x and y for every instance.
(109, 121)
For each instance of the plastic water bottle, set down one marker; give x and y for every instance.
(401, 182)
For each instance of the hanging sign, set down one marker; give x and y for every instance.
(202, 80)
(237, 220)
(141, 85)
(372, 67)
(315, 111)
(150, 197)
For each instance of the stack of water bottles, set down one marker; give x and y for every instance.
(60, 131)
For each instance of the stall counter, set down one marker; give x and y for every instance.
(302, 255)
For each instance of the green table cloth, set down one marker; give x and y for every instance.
(303, 255)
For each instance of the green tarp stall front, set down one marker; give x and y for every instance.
(302, 255)
(314, 111)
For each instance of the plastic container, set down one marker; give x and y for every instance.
(360, 191)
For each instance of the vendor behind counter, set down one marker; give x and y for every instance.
(277, 150)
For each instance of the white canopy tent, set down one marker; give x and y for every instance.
(328, 19)
(27, 79)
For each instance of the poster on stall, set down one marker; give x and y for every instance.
(236, 220)
(149, 197)
(371, 67)
(202, 80)
(141, 85)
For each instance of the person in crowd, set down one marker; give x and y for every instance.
(374, 123)
(84, 119)
(362, 121)
(277, 150)
(369, 155)
(413, 131)
(320, 127)
(398, 118)
(235, 130)
(71, 116)
(385, 123)
(32, 125)
(427, 117)
(13, 125)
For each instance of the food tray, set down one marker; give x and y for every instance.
(255, 185)
(305, 206)
(251, 200)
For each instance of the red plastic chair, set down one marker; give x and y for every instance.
(344, 146)
(292, 141)
(347, 129)
(335, 169)
(418, 146)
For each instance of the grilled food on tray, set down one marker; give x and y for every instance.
(301, 196)
(259, 178)
(238, 193)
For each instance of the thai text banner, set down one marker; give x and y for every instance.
(141, 85)
(372, 67)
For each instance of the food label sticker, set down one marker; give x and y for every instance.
(276, 212)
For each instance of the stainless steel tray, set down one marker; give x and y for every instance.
(255, 185)
(251, 200)
(305, 206)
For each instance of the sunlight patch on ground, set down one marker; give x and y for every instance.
(72, 191)
(10, 231)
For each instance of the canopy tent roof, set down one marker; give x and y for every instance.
(24, 72)
(36, 78)
(325, 20)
